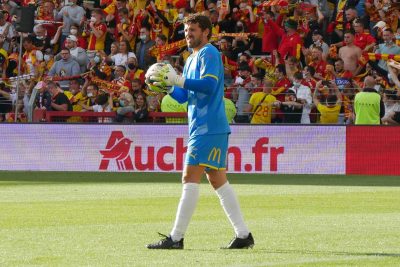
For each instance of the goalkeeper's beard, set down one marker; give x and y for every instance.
(194, 42)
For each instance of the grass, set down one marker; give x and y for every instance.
(105, 219)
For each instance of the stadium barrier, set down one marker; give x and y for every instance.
(270, 149)
(40, 115)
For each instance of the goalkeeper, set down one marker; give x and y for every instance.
(202, 86)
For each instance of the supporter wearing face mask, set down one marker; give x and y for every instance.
(133, 71)
(142, 49)
(98, 30)
(178, 32)
(126, 105)
(120, 78)
(41, 41)
(77, 53)
(70, 14)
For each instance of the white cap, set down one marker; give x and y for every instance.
(72, 38)
(381, 25)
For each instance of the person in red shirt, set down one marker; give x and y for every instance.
(318, 63)
(291, 41)
(308, 77)
(282, 84)
(126, 29)
(362, 39)
(270, 39)
(245, 14)
(98, 30)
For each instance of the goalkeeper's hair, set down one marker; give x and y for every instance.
(203, 21)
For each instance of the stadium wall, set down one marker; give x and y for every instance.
(154, 148)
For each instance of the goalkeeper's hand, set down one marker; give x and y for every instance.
(166, 77)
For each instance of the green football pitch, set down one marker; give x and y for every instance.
(106, 219)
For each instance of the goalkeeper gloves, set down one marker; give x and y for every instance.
(165, 77)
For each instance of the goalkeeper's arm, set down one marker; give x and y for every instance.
(205, 85)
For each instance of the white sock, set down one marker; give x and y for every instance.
(186, 207)
(232, 209)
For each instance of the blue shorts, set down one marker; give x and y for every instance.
(208, 150)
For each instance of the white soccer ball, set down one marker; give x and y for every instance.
(156, 69)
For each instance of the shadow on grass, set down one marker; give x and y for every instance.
(19, 177)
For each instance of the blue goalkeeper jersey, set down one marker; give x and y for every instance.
(206, 110)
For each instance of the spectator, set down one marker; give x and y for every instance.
(308, 77)
(66, 66)
(43, 98)
(241, 93)
(317, 63)
(368, 105)
(119, 77)
(59, 101)
(362, 39)
(90, 90)
(121, 58)
(262, 105)
(141, 113)
(77, 53)
(126, 29)
(169, 104)
(318, 41)
(32, 57)
(291, 41)
(230, 110)
(388, 47)
(292, 110)
(75, 95)
(303, 94)
(133, 71)
(270, 39)
(70, 14)
(330, 108)
(350, 54)
(97, 31)
(392, 105)
(7, 31)
(137, 87)
(5, 101)
(103, 103)
(76, 31)
(126, 105)
(41, 40)
(142, 49)
(282, 83)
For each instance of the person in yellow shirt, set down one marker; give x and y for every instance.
(169, 104)
(329, 109)
(262, 105)
(75, 96)
(230, 110)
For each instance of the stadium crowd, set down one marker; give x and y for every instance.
(311, 61)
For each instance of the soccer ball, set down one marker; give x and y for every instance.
(157, 68)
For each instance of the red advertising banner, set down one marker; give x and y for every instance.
(373, 150)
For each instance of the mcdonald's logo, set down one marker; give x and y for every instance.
(214, 153)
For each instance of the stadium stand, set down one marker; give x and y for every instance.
(281, 58)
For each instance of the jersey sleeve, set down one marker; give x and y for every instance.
(210, 64)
